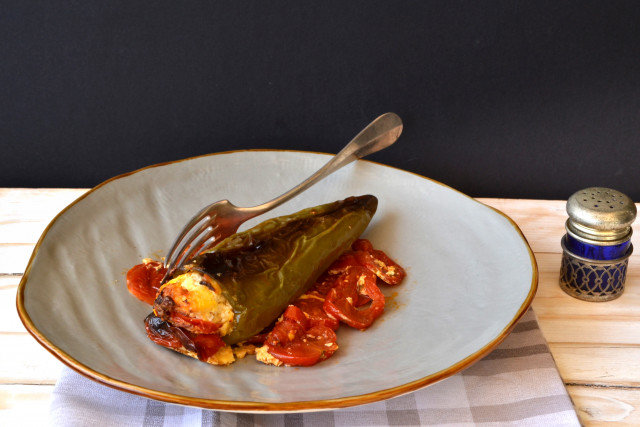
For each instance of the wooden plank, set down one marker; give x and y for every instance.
(34, 204)
(594, 331)
(23, 231)
(9, 280)
(551, 301)
(24, 361)
(549, 269)
(598, 364)
(14, 257)
(606, 405)
(27, 211)
(25, 405)
(9, 320)
(541, 221)
(566, 319)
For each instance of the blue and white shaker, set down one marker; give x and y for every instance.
(597, 245)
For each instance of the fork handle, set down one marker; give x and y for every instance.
(379, 134)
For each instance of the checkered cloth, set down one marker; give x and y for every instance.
(515, 384)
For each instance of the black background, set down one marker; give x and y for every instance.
(499, 98)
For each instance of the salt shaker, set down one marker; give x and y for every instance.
(597, 245)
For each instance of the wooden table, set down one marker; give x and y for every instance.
(595, 345)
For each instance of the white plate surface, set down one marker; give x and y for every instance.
(471, 274)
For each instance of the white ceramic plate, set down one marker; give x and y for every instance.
(471, 275)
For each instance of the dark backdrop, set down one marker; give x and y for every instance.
(499, 98)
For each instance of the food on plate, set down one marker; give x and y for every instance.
(244, 283)
(346, 292)
(278, 290)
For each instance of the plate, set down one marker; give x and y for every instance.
(471, 276)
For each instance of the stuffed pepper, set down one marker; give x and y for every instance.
(234, 291)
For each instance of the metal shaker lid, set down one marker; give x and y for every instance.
(600, 215)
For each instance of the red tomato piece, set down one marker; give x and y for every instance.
(362, 300)
(258, 339)
(161, 332)
(343, 264)
(291, 327)
(362, 245)
(283, 332)
(206, 344)
(296, 315)
(342, 300)
(317, 344)
(311, 305)
(383, 266)
(296, 341)
(197, 326)
(143, 280)
(168, 335)
(325, 282)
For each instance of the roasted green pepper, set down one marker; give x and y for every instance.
(244, 283)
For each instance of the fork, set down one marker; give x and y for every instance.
(222, 219)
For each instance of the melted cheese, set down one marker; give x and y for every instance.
(200, 297)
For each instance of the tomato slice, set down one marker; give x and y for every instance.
(161, 332)
(342, 301)
(296, 315)
(317, 344)
(143, 280)
(381, 265)
(311, 304)
(168, 335)
(257, 340)
(325, 282)
(291, 327)
(206, 344)
(296, 342)
(197, 326)
(343, 264)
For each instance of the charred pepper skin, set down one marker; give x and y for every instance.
(262, 270)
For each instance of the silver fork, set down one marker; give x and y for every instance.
(222, 219)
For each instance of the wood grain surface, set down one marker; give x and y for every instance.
(595, 345)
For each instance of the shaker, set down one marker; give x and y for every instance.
(597, 244)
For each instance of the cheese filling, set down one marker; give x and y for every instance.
(198, 296)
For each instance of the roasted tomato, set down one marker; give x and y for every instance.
(362, 245)
(291, 327)
(167, 335)
(295, 342)
(193, 324)
(343, 264)
(207, 344)
(143, 280)
(311, 305)
(317, 344)
(325, 283)
(380, 264)
(258, 339)
(344, 299)
(162, 333)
